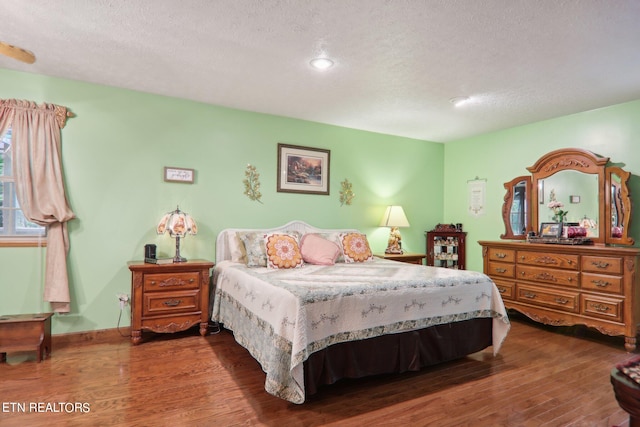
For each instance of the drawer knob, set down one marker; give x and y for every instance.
(501, 270)
(172, 302)
(501, 255)
(529, 295)
(600, 264)
(562, 300)
(502, 290)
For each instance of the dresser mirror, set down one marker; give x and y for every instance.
(516, 210)
(574, 186)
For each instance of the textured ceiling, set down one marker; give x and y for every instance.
(398, 62)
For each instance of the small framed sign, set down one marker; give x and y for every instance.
(183, 175)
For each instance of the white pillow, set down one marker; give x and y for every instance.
(236, 247)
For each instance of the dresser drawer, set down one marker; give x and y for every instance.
(171, 281)
(599, 264)
(544, 259)
(549, 275)
(157, 303)
(506, 288)
(502, 255)
(562, 300)
(602, 283)
(605, 308)
(501, 269)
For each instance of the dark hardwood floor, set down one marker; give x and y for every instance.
(542, 377)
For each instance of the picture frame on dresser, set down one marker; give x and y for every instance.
(550, 229)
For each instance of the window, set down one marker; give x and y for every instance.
(13, 224)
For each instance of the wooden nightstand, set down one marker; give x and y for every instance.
(169, 298)
(406, 257)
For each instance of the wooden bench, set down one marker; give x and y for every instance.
(25, 332)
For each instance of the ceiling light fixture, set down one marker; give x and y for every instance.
(460, 100)
(321, 64)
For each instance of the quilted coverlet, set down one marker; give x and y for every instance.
(283, 316)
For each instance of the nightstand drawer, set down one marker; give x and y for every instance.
(158, 303)
(171, 281)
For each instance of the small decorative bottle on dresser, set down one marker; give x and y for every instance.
(168, 298)
(446, 246)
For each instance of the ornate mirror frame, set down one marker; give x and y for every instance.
(613, 194)
(507, 207)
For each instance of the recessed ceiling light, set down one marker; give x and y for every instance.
(321, 64)
(459, 100)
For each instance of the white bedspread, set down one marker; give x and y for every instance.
(283, 316)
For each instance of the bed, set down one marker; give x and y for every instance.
(318, 323)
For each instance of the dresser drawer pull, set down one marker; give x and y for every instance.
(172, 303)
(501, 270)
(546, 276)
(600, 307)
(529, 295)
(502, 290)
(562, 300)
(501, 255)
(601, 283)
(172, 282)
(600, 264)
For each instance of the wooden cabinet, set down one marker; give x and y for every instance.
(446, 247)
(592, 285)
(169, 298)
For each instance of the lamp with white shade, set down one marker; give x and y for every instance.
(178, 224)
(394, 217)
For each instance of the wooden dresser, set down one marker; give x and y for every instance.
(169, 298)
(592, 285)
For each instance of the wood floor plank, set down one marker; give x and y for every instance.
(542, 377)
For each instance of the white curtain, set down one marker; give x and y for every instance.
(40, 186)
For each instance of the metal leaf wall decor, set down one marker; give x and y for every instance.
(346, 194)
(252, 184)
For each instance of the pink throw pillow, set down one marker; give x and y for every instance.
(317, 250)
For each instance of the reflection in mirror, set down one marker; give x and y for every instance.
(517, 215)
(617, 216)
(571, 196)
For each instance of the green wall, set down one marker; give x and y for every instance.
(114, 152)
(498, 157)
(115, 149)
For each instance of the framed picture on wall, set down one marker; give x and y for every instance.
(303, 169)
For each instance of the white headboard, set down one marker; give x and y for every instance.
(223, 251)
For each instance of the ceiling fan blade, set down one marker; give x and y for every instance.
(17, 53)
